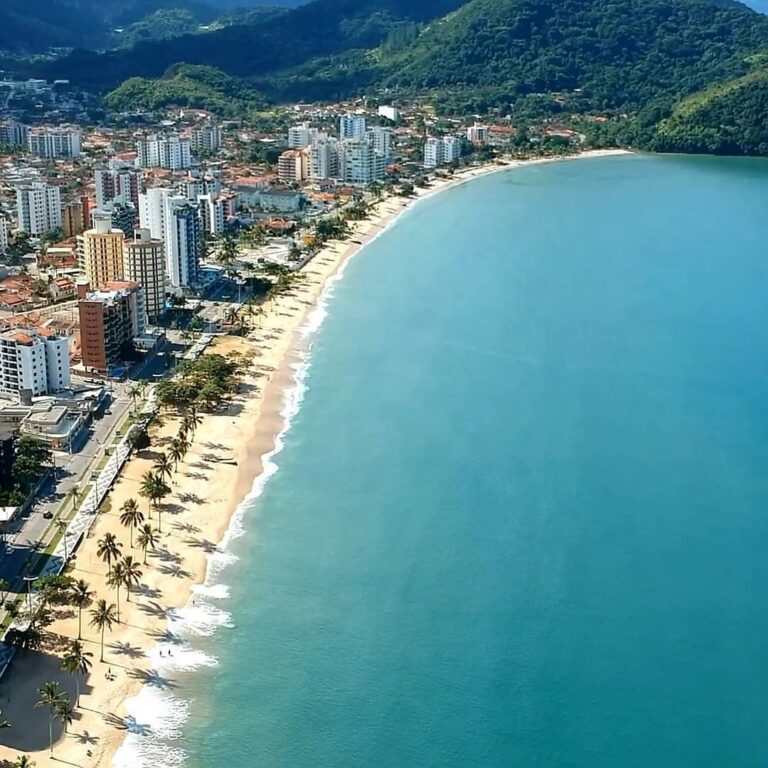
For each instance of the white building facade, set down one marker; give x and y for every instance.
(352, 126)
(52, 143)
(38, 208)
(171, 152)
(183, 235)
(28, 361)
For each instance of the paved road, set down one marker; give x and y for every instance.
(70, 471)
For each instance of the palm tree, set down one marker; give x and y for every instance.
(63, 712)
(146, 539)
(50, 696)
(131, 516)
(4, 587)
(176, 451)
(163, 466)
(131, 574)
(109, 548)
(103, 617)
(61, 526)
(76, 662)
(148, 488)
(22, 761)
(115, 579)
(80, 596)
(75, 494)
(192, 419)
(161, 491)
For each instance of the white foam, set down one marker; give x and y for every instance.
(198, 619)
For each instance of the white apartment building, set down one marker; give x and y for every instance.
(390, 113)
(152, 206)
(351, 126)
(29, 361)
(381, 140)
(206, 138)
(144, 263)
(182, 241)
(171, 152)
(324, 160)
(51, 143)
(300, 136)
(359, 163)
(441, 151)
(5, 230)
(451, 149)
(38, 208)
(206, 185)
(213, 213)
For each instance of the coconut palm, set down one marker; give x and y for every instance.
(22, 761)
(131, 574)
(116, 579)
(75, 494)
(192, 419)
(148, 488)
(63, 712)
(163, 466)
(162, 489)
(80, 596)
(103, 617)
(50, 695)
(109, 548)
(76, 662)
(177, 451)
(131, 516)
(146, 539)
(61, 526)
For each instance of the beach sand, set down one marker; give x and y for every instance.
(206, 493)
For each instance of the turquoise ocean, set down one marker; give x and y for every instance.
(520, 515)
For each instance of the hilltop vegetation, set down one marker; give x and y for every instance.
(186, 85)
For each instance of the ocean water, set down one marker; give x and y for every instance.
(520, 517)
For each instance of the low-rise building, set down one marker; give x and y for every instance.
(281, 200)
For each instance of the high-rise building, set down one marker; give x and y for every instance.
(300, 136)
(122, 185)
(5, 232)
(451, 149)
(144, 263)
(293, 166)
(13, 134)
(171, 152)
(204, 185)
(72, 219)
(52, 143)
(123, 215)
(351, 126)
(381, 140)
(109, 321)
(38, 207)
(100, 251)
(32, 362)
(206, 138)
(359, 163)
(152, 205)
(324, 160)
(183, 235)
(213, 213)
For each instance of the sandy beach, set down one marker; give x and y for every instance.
(208, 486)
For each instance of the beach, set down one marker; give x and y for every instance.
(208, 487)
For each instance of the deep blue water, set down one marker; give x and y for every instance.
(522, 516)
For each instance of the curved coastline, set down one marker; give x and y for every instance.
(116, 708)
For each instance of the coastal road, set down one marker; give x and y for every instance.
(71, 470)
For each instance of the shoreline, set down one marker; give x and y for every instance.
(210, 508)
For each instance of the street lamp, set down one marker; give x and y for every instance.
(30, 580)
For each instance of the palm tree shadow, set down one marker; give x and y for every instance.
(175, 570)
(85, 738)
(153, 678)
(153, 608)
(126, 649)
(127, 724)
